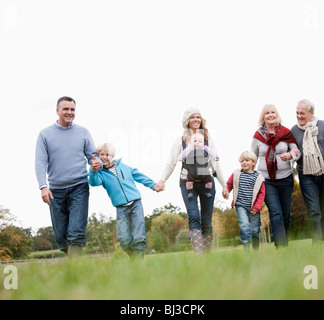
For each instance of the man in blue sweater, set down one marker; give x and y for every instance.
(62, 152)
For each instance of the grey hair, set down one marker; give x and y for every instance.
(309, 104)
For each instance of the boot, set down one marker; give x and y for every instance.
(246, 246)
(65, 250)
(196, 241)
(207, 240)
(74, 251)
(136, 254)
(255, 243)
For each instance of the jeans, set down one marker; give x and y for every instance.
(278, 201)
(312, 188)
(131, 227)
(249, 224)
(198, 221)
(69, 214)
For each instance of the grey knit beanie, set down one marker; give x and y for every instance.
(188, 113)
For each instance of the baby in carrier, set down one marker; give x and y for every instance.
(195, 159)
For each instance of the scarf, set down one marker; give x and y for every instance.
(312, 158)
(272, 139)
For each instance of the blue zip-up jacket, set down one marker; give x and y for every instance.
(121, 189)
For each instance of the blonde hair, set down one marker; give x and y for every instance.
(248, 155)
(187, 133)
(109, 148)
(263, 112)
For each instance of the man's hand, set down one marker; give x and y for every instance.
(46, 195)
(95, 166)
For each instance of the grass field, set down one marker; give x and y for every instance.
(223, 274)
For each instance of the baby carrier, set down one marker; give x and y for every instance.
(197, 162)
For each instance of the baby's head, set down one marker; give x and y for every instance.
(106, 153)
(197, 140)
(248, 159)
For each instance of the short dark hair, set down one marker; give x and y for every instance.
(65, 98)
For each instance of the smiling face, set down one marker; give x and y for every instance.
(66, 113)
(270, 117)
(247, 165)
(303, 114)
(106, 158)
(195, 121)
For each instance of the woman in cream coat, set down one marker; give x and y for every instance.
(200, 225)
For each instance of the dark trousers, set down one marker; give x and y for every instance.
(278, 201)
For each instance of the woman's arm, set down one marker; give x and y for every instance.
(255, 147)
(172, 160)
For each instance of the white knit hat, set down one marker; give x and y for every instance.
(188, 113)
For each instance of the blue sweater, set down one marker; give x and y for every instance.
(63, 154)
(121, 189)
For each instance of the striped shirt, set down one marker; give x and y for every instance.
(245, 191)
(113, 170)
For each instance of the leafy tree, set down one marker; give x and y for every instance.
(14, 243)
(14, 239)
(6, 218)
(182, 236)
(225, 224)
(265, 230)
(168, 208)
(45, 239)
(164, 230)
(100, 234)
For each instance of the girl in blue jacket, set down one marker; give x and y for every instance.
(119, 181)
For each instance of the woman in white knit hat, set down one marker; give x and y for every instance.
(200, 225)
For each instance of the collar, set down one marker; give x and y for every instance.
(70, 126)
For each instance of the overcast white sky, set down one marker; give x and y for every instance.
(134, 66)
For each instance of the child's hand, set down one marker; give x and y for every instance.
(225, 193)
(95, 166)
(253, 212)
(160, 186)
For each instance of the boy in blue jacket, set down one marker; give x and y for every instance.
(119, 181)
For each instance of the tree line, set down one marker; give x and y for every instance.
(166, 230)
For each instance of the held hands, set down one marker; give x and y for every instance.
(289, 155)
(159, 186)
(95, 166)
(295, 152)
(225, 193)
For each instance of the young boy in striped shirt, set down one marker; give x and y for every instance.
(248, 196)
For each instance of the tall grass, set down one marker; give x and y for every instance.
(223, 274)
